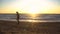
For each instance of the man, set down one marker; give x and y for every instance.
(17, 17)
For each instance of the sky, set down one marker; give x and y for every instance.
(30, 6)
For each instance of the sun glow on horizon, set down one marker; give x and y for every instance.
(32, 6)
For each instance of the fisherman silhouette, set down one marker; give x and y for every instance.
(17, 17)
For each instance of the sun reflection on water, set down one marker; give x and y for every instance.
(33, 16)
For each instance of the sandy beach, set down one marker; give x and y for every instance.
(12, 27)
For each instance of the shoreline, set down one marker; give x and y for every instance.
(29, 20)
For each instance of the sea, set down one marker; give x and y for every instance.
(26, 17)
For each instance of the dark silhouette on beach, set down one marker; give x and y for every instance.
(17, 17)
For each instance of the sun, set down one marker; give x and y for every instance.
(32, 6)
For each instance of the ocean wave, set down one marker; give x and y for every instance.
(39, 17)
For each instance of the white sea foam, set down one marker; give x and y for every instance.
(31, 20)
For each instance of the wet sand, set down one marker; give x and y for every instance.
(12, 27)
